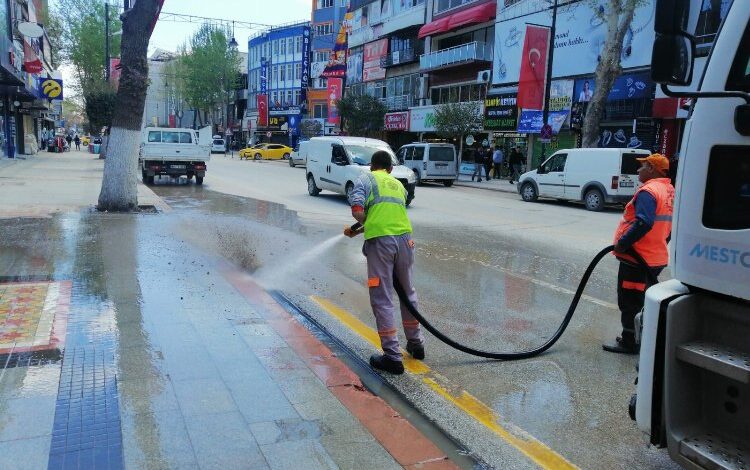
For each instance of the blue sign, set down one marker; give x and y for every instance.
(530, 120)
(305, 57)
(626, 87)
(263, 76)
(50, 88)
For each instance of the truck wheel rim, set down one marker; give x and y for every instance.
(593, 199)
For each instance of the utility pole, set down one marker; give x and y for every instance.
(106, 41)
(548, 84)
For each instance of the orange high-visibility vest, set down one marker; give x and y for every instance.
(653, 246)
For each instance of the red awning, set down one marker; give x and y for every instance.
(474, 15)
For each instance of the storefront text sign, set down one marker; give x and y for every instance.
(422, 119)
(397, 121)
(500, 113)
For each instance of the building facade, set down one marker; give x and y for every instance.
(277, 84)
(27, 115)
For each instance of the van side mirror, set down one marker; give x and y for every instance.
(671, 16)
(672, 59)
(742, 119)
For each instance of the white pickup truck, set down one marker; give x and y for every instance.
(173, 152)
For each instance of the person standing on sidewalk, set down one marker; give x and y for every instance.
(497, 160)
(478, 166)
(487, 161)
(69, 140)
(378, 202)
(77, 141)
(516, 164)
(645, 228)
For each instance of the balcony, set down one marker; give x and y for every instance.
(398, 103)
(458, 55)
(395, 58)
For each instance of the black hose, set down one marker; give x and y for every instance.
(512, 356)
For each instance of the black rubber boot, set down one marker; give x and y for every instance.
(416, 350)
(622, 346)
(381, 362)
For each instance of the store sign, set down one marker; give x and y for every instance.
(277, 122)
(306, 39)
(51, 89)
(263, 76)
(335, 90)
(642, 137)
(373, 52)
(283, 110)
(580, 33)
(33, 66)
(630, 86)
(501, 113)
(397, 121)
(422, 119)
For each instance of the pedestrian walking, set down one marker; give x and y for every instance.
(516, 164)
(497, 160)
(478, 166)
(77, 141)
(69, 140)
(378, 202)
(645, 228)
(487, 161)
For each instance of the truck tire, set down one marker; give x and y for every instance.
(286, 156)
(447, 183)
(312, 188)
(594, 200)
(258, 156)
(291, 162)
(528, 192)
(199, 180)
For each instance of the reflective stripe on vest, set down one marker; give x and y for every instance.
(385, 207)
(653, 246)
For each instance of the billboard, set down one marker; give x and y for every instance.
(579, 37)
(560, 103)
(354, 66)
(373, 52)
(335, 90)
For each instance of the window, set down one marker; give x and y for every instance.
(443, 5)
(275, 47)
(273, 98)
(282, 46)
(739, 75)
(282, 73)
(712, 13)
(290, 45)
(555, 164)
(321, 56)
(289, 71)
(320, 111)
(297, 71)
(298, 45)
(186, 138)
(325, 3)
(289, 97)
(297, 97)
(323, 29)
(441, 154)
(727, 202)
(321, 83)
(154, 137)
(405, 154)
(170, 137)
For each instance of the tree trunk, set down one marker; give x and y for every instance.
(120, 184)
(609, 67)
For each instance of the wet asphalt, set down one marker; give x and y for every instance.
(491, 271)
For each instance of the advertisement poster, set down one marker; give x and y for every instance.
(373, 52)
(560, 103)
(334, 92)
(336, 66)
(422, 119)
(532, 78)
(501, 113)
(644, 136)
(579, 38)
(354, 66)
(262, 110)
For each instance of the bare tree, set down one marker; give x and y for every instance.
(455, 120)
(617, 15)
(120, 184)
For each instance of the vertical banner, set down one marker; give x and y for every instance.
(533, 76)
(305, 79)
(335, 86)
(262, 110)
(263, 76)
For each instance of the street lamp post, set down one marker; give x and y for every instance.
(548, 84)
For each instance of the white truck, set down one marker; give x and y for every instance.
(693, 392)
(173, 152)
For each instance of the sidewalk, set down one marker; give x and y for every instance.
(124, 346)
(493, 185)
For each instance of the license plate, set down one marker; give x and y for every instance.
(627, 184)
(178, 167)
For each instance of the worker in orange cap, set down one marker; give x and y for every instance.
(645, 227)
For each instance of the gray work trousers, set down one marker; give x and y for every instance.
(388, 256)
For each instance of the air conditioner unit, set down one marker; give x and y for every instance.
(484, 76)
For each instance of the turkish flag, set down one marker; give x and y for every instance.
(533, 78)
(262, 110)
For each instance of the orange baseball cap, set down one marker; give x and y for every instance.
(658, 161)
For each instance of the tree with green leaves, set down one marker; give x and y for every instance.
(618, 16)
(77, 33)
(455, 120)
(119, 183)
(207, 73)
(361, 116)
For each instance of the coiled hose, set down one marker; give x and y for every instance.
(512, 356)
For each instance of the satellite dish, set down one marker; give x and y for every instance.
(31, 30)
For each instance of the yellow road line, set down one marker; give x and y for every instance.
(533, 449)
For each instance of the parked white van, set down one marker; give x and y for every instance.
(335, 163)
(430, 161)
(299, 155)
(594, 176)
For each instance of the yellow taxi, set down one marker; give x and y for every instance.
(266, 152)
(85, 140)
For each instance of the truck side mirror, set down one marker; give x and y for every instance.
(671, 16)
(672, 59)
(742, 119)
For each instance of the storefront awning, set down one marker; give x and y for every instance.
(474, 15)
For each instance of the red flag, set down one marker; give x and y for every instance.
(262, 110)
(335, 90)
(533, 77)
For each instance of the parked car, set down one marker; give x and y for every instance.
(430, 161)
(595, 176)
(335, 163)
(172, 152)
(299, 156)
(218, 145)
(271, 152)
(249, 151)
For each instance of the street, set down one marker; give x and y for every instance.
(491, 271)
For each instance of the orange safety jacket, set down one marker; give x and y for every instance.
(653, 246)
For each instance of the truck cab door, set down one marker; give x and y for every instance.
(551, 176)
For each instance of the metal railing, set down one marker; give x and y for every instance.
(398, 103)
(473, 51)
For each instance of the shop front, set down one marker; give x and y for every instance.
(282, 127)
(397, 132)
